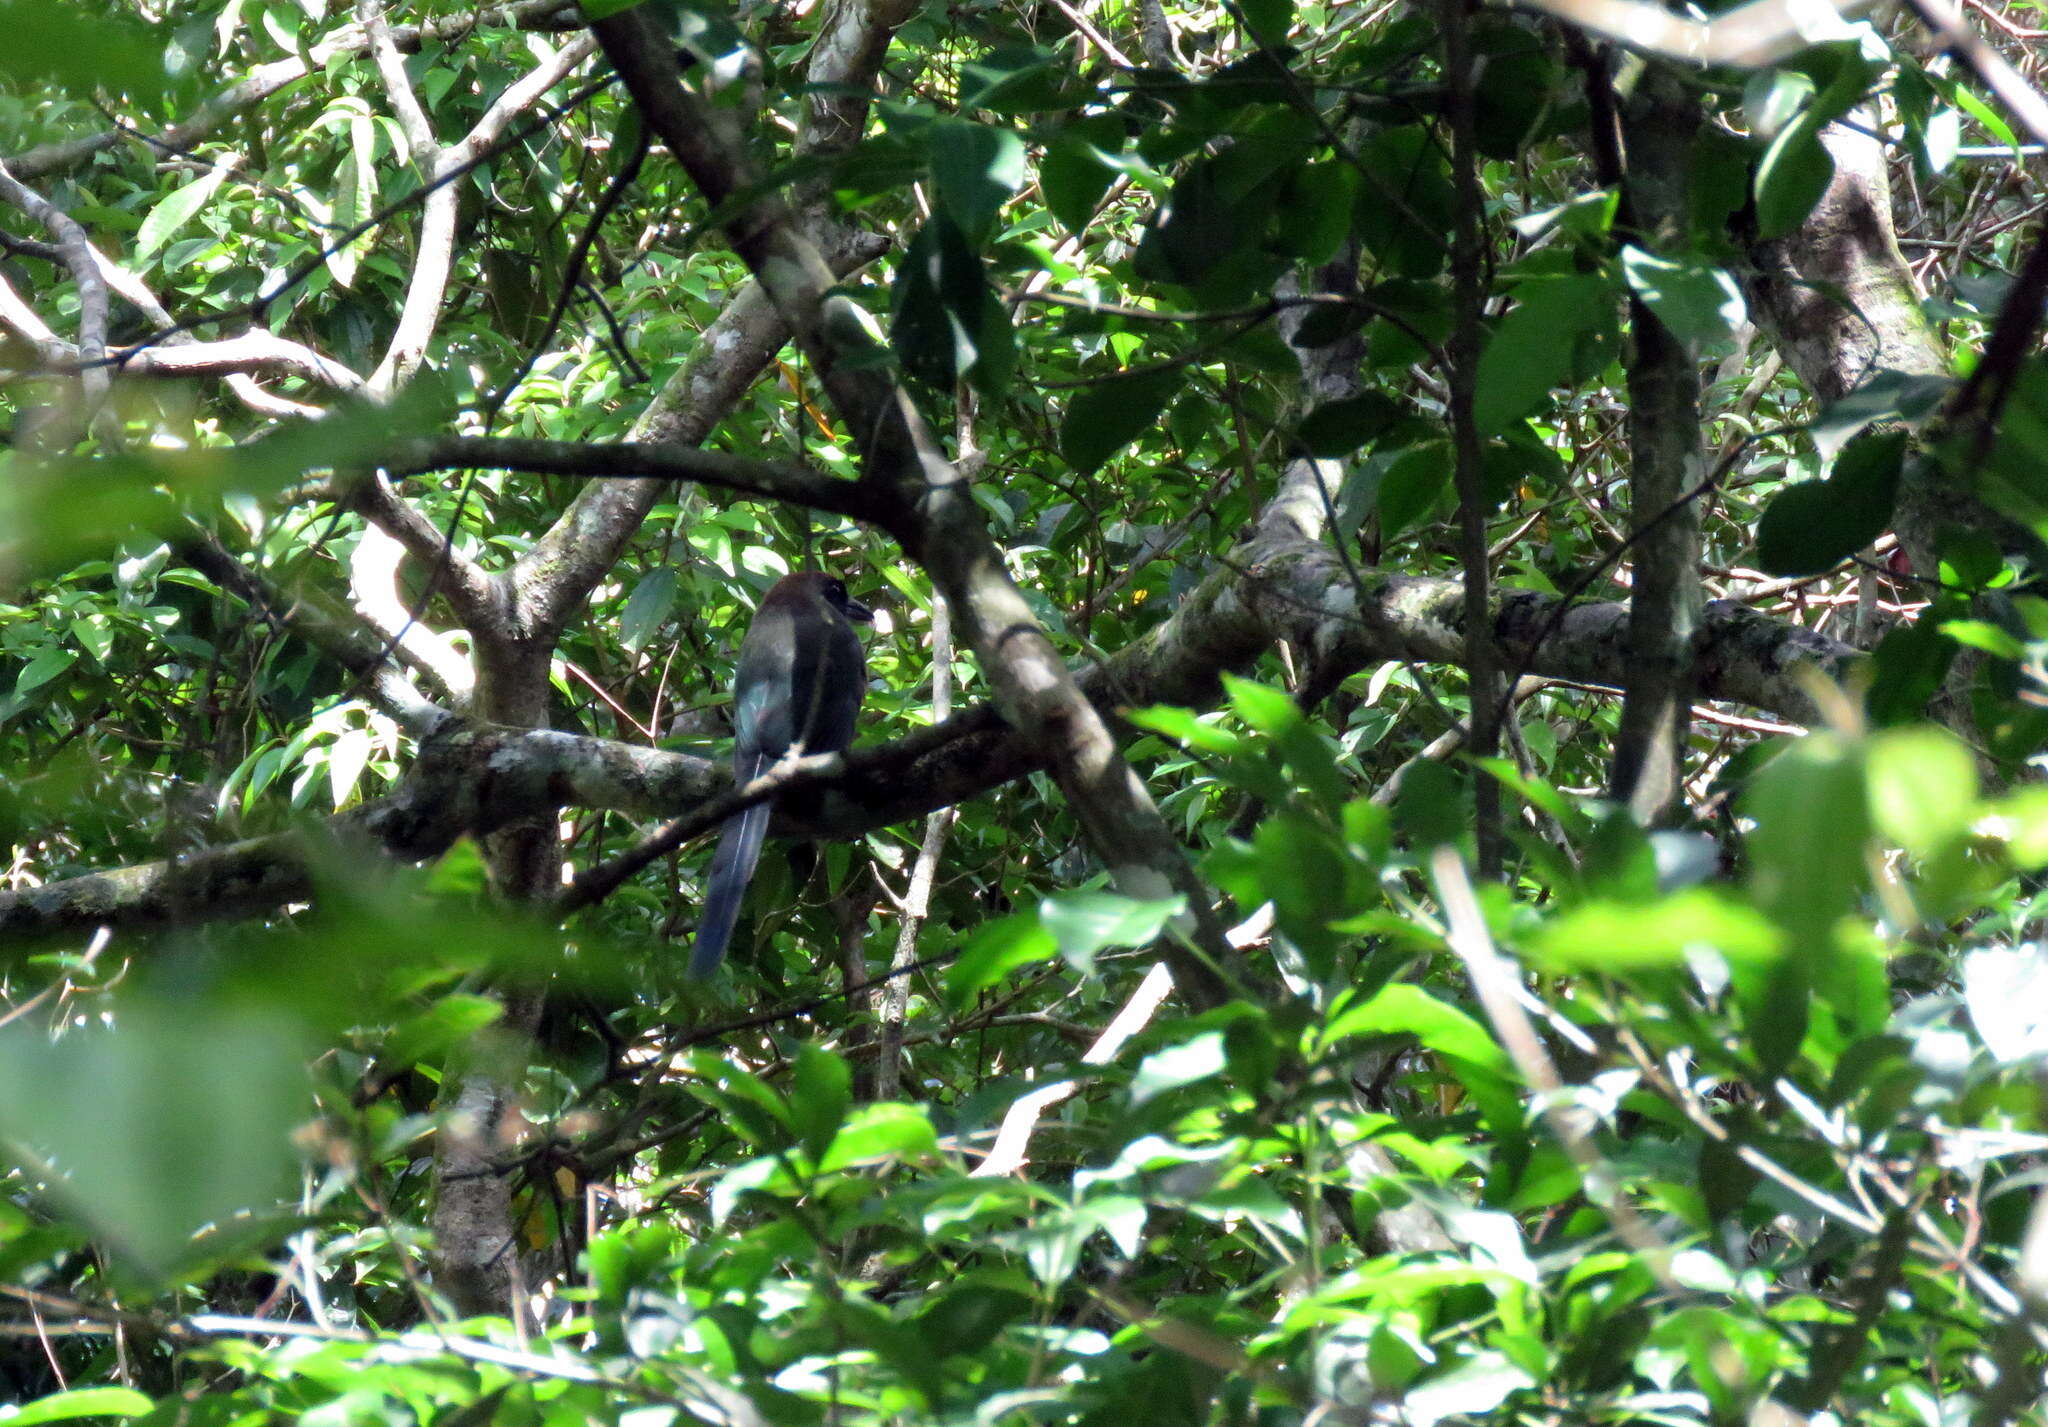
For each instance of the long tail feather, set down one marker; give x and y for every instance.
(739, 848)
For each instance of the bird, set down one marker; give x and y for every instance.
(800, 681)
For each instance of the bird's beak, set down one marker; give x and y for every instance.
(857, 611)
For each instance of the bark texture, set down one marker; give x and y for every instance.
(1665, 466)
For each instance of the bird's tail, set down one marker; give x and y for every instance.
(739, 848)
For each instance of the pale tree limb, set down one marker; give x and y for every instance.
(846, 59)
(434, 258)
(1758, 33)
(31, 330)
(1500, 995)
(380, 601)
(658, 462)
(553, 579)
(352, 647)
(264, 80)
(1013, 1139)
(1841, 305)
(179, 354)
(77, 253)
(236, 358)
(251, 354)
(2016, 1354)
(917, 897)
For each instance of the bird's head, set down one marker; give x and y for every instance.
(826, 589)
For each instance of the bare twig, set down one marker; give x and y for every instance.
(1494, 982)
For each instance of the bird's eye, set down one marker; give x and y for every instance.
(837, 589)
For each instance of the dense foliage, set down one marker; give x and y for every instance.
(1730, 1113)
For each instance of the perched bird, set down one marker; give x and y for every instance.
(799, 685)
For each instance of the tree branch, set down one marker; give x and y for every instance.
(473, 778)
(266, 79)
(1665, 463)
(928, 506)
(552, 580)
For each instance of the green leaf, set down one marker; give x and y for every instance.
(750, 1105)
(1719, 183)
(1319, 202)
(995, 950)
(1773, 98)
(1970, 559)
(1795, 172)
(47, 665)
(893, 1342)
(1695, 300)
(1806, 852)
(1517, 83)
(1923, 787)
(1274, 713)
(178, 1116)
(2014, 477)
(1017, 79)
(1532, 349)
(81, 49)
(174, 211)
(1434, 805)
(1725, 1180)
(1265, 708)
(948, 322)
(1815, 526)
(1984, 114)
(891, 1130)
(1267, 20)
(1405, 201)
(1798, 533)
(647, 608)
(451, 1020)
(1887, 394)
(79, 1402)
(1306, 874)
(1185, 726)
(632, 1256)
(1337, 428)
(1470, 1390)
(1076, 170)
(1469, 1051)
(1104, 418)
(1205, 235)
(1406, 1009)
(1616, 936)
(1985, 637)
(975, 168)
(967, 1317)
(1911, 662)
(817, 1104)
(1776, 1012)
(1412, 485)
(1198, 1058)
(1084, 922)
